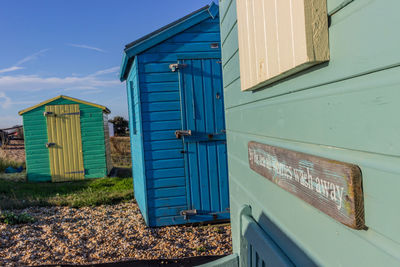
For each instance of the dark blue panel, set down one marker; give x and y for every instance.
(182, 47)
(159, 87)
(164, 154)
(159, 77)
(166, 182)
(159, 145)
(160, 96)
(167, 202)
(166, 173)
(161, 116)
(162, 125)
(166, 192)
(164, 164)
(203, 114)
(169, 211)
(161, 106)
(160, 135)
(195, 37)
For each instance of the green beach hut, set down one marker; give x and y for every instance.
(66, 139)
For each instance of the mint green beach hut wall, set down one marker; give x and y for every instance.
(344, 110)
(94, 139)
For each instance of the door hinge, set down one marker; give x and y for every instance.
(186, 213)
(177, 66)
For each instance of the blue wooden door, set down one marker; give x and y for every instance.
(203, 125)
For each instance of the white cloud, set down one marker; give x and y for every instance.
(106, 71)
(37, 83)
(22, 61)
(87, 47)
(5, 101)
(14, 68)
(31, 57)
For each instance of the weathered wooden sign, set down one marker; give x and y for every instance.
(331, 186)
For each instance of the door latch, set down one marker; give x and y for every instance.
(177, 66)
(180, 133)
(50, 144)
(187, 213)
(48, 113)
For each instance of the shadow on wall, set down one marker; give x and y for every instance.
(265, 241)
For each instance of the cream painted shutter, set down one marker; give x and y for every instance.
(278, 38)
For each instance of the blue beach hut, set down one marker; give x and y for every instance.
(176, 118)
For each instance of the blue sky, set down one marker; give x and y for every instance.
(74, 48)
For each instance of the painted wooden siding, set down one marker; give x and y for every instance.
(161, 115)
(107, 143)
(136, 135)
(37, 155)
(92, 143)
(343, 110)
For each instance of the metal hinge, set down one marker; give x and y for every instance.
(177, 66)
(186, 213)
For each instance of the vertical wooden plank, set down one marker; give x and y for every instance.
(79, 152)
(285, 34)
(50, 139)
(223, 175)
(271, 35)
(219, 111)
(199, 127)
(203, 91)
(212, 115)
(251, 41)
(60, 164)
(260, 41)
(74, 146)
(299, 38)
(66, 145)
(192, 168)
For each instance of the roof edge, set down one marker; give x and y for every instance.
(105, 109)
(160, 35)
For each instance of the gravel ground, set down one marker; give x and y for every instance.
(63, 235)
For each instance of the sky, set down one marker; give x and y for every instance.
(73, 48)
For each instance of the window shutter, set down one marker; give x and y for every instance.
(278, 38)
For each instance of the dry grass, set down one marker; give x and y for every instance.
(121, 151)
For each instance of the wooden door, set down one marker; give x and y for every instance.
(205, 147)
(64, 142)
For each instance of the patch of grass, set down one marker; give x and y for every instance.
(90, 192)
(8, 217)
